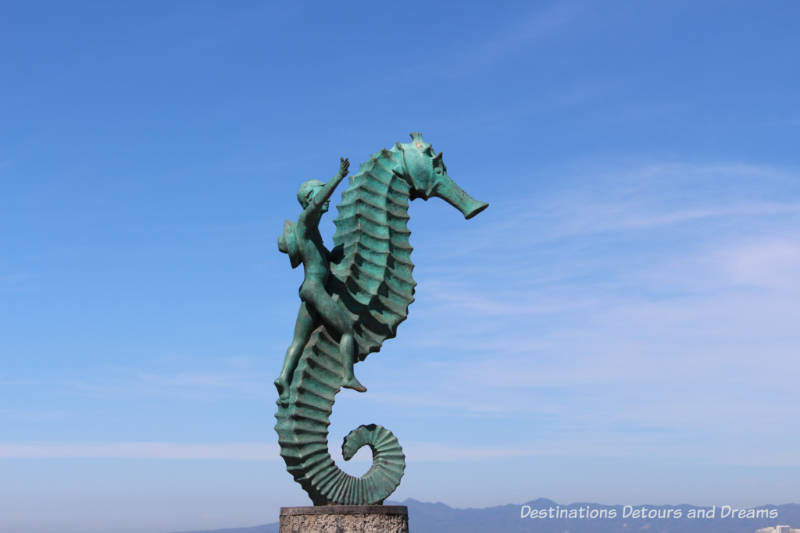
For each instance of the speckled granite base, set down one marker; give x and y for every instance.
(345, 519)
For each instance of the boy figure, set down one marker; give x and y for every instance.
(303, 242)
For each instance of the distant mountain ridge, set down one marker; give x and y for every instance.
(438, 518)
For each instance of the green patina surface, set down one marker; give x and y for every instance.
(353, 298)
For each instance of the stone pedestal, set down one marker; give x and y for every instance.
(345, 519)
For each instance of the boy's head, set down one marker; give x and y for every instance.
(307, 191)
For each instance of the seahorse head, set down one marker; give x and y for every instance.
(426, 174)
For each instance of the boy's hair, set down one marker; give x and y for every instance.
(305, 189)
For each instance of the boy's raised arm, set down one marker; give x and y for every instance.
(327, 190)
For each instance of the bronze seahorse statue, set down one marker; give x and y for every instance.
(353, 298)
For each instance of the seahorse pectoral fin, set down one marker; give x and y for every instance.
(445, 188)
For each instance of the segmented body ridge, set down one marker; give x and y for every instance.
(373, 236)
(373, 280)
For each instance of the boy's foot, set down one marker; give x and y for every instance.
(283, 390)
(353, 383)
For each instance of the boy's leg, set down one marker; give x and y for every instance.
(335, 314)
(302, 331)
(347, 347)
(328, 309)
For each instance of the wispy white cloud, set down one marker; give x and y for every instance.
(520, 33)
(772, 263)
(177, 376)
(644, 221)
(500, 301)
(665, 300)
(622, 446)
(640, 197)
(626, 446)
(140, 450)
(527, 29)
(196, 379)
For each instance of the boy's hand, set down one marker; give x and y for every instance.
(344, 165)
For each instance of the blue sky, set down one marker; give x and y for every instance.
(620, 326)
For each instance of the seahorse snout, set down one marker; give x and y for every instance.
(448, 190)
